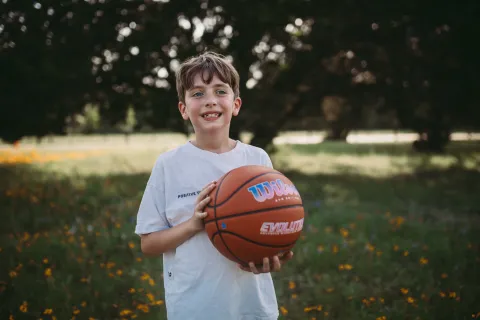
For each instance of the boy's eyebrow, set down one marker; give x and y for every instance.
(215, 85)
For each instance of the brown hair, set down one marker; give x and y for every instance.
(208, 64)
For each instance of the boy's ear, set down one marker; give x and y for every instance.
(237, 104)
(183, 110)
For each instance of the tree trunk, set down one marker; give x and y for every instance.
(234, 130)
(263, 137)
(264, 132)
(432, 140)
(336, 111)
(336, 132)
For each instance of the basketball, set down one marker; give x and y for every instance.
(254, 212)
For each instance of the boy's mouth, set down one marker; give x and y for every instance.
(211, 115)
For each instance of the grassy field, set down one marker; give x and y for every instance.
(388, 234)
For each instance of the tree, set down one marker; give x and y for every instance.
(57, 57)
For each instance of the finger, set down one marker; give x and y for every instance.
(202, 204)
(205, 201)
(205, 191)
(247, 269)
(201, 215)
(253, 268)
(208, 185)
(276, 264)
(266, 265)
(287, 257)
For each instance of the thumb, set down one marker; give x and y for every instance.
(201, 215)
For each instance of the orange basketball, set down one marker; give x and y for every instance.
(255, 212)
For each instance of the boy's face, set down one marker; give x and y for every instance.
(209, 107)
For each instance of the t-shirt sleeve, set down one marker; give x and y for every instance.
(266, 161)
(151, 215)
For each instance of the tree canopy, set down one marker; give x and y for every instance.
(413, 59)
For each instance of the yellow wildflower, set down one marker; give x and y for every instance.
(370, 247)
(125, 312)
(334, 248)
(150, 297)
(143, 307)
(291, 285)
(24, 307)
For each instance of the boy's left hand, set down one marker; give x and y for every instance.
(267, 266)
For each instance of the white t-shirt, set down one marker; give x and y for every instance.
(199, 282)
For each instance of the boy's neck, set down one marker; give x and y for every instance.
(214, 144)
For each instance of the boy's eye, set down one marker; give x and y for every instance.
(197, 94)
(221, 91)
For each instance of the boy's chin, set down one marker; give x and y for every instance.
(211, 127)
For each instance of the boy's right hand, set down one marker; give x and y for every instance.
(202, 200)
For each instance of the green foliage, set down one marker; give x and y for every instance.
(89, 121)
(290, 54)
(128, 125)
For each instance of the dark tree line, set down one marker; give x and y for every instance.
(414, 59)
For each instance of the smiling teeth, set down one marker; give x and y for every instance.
(211, 115)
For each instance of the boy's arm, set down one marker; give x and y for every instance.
(156, 243)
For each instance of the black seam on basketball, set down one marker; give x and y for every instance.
(213, 241)
(215, 217)
(240, 187)
(255, 242)
(252, 212)
(213, 236)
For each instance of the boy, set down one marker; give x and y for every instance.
(199, 282)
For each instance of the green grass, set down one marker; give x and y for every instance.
(388, 233)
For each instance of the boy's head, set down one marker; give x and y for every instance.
(207, 65)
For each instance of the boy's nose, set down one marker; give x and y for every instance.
(211, 101)
(211, 104)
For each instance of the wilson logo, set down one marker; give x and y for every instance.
(278, 228)
(268, 189)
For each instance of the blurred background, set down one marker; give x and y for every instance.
(371, 108)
